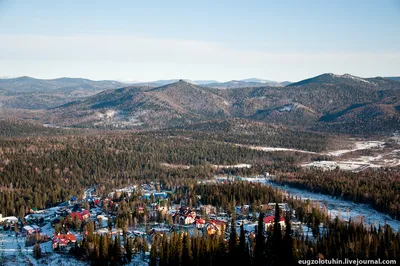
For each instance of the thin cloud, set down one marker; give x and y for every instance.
(145, 58)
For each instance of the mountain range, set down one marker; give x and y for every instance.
(251, 82)
(328, 102)
(31, 93)
(35, 94)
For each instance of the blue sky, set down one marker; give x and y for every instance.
(222, 40)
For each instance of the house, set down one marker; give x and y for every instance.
(62, 240)
(8, 219)
(215, 227)
(200, 223)
(82, 216)
(30, 229)
(140, 209)
(269, 221)
(207, 209)
(186, 220)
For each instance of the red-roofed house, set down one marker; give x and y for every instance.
(215, 227)
(82, 216)
(200, 223)
(62, 240)
(269, 221)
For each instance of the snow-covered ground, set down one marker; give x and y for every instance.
(271, 149)
(389, 159)
(241, 165)
(359, 145)
(337, 207)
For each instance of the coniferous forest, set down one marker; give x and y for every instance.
(39, 172)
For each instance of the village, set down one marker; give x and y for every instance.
(54, 231)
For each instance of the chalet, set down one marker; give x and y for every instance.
(186, 220)
(200, 223)
(63, 240)
(8, 219)
(207, 209)
(30, 229)
(82, 216)
(140, 209)
(269, 221)
(215, 227)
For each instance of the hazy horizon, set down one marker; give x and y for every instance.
(137, 41)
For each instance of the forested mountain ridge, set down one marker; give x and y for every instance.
(327, 102)
(31, 93)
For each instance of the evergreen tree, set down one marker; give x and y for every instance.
(186, 250)
(145, 247)
(117, 249)
(37, 251)
(243, 251)
(288, 243)
(259, 249)
(128, 249)
(164, 260)
(277, 255)
(153, 254)
(233, 243)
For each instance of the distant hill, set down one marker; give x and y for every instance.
(394, 78)
(251, 82)
(144, 107)
(334, 103)
(243, 84)
(31, 93)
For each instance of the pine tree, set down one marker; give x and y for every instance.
(103, 247)
(288, 243)
(186, 251)
(233, 243)
(37, 252)
(117, 249)
(153, 254)
(221, 252)
(243, 251)
(128, 249)
(145, 246)
(164, 260)
(277, 255)
(259, 255)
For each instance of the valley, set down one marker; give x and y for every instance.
(152, 166)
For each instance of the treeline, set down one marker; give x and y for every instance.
(379, 188)
(18, 128)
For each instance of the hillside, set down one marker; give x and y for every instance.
(143, 107)
(338, 103)
(31, 93)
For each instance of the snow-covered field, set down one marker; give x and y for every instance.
(241, 165)
(389, 159)
(359, 145)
